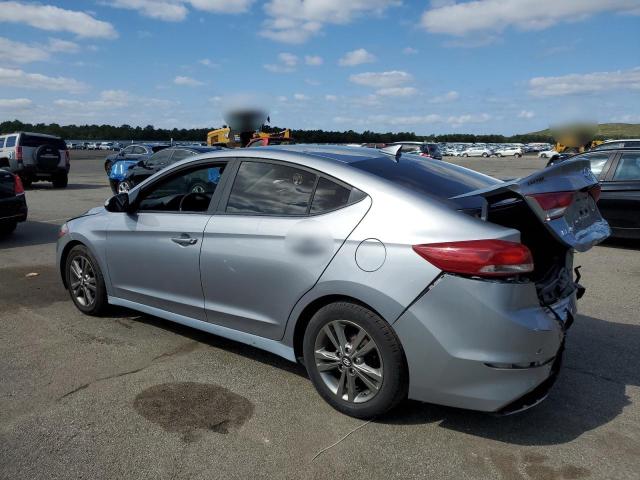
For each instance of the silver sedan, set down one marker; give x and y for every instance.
(387, 276)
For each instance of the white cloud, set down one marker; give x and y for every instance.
(300, 96)
(526, 114)
(356, 57)
(330, 98)
(288, 59)
(16, 52)
(62, 46)
(397, 92)
(495, 15)
(21, 79)
(295, 21)
(585, 83)
(409, 51)
(55, 19)
(393, 78)
(207, 62)
(450, 96)
(459, 120)
(14, 104)
(113, 100)
(287, 63)
(177, 11)
(187, 81)
(627, 118)
(313, 60)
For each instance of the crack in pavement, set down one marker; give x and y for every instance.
(181, 350)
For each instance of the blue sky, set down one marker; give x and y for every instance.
(489, 66)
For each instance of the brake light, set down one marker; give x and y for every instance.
(483, 258)
(18, 188)
(595, 192)
(66, 157)
(554, 204)
(19, 153)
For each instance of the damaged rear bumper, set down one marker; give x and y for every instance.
(483, 345)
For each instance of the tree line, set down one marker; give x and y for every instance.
(130, 133)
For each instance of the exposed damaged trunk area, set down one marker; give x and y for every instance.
(553, 261)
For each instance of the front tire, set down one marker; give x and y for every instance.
(124, 187)
(355, 360)
(85, 281)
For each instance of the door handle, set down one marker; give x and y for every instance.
(184, 240)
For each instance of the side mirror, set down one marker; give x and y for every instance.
(118, 203)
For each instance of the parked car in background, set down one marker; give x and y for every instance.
(143, 169)
(477, 152)
(35, 157)
(424, 149)
(13, 202)
(93, 146)
(509, 152)
(623, 143)
(132, 154)
(618, 171)
(106, 146)
(325, 255)
(547, 154)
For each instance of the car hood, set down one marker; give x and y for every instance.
(119, 169)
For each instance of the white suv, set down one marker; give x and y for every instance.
(477, 152)
(35, 157)
(509, 152)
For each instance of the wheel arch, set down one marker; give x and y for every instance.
(63, 259)
(310, 310)
(4, 162)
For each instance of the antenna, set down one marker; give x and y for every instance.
(393, 151)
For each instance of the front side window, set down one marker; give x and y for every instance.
(628, 167)
(189, 191)
(271, 189)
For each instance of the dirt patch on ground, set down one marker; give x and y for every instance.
(34, 291)
(188, 407)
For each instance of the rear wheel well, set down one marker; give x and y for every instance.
(310, 310)
(4, 162)
(63, 259)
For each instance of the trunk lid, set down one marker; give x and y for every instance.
(579, 225)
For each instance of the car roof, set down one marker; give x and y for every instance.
(337, 153)
(196, 148)
(621, 140)
(32, 133)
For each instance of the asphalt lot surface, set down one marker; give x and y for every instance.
(134, 396)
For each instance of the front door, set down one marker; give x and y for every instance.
(620, 196)
(153, 253)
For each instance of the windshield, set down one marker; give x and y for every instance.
(437, 178)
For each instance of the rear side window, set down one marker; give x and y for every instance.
(160, 158)
(157, 148)
(11, 141)
(597, 160)
(271, 189)
(329, 196)
(439, 179)
(628, 167)
(2, 139)
(37, 141)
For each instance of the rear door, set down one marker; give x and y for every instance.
(278, 228)
(620, 198)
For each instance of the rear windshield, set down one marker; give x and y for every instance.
(431, 177)
(157, 148)
(430, 148)
(36, 141)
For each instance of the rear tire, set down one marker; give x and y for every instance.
(85, 281)
(359, 379)
(60, 181)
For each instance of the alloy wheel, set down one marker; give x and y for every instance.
(348, 361)
(123, 187)
(83, 281)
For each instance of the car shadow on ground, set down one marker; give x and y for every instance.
(31, 233)
(71, 186)
(623, 243)
(601, 360)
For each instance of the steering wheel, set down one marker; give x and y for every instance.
(195, 196)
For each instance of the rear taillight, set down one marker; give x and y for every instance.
(595, 192)
(66, 157)
(18, 188)
(19, 154)
(554, 204)
(483, 258)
